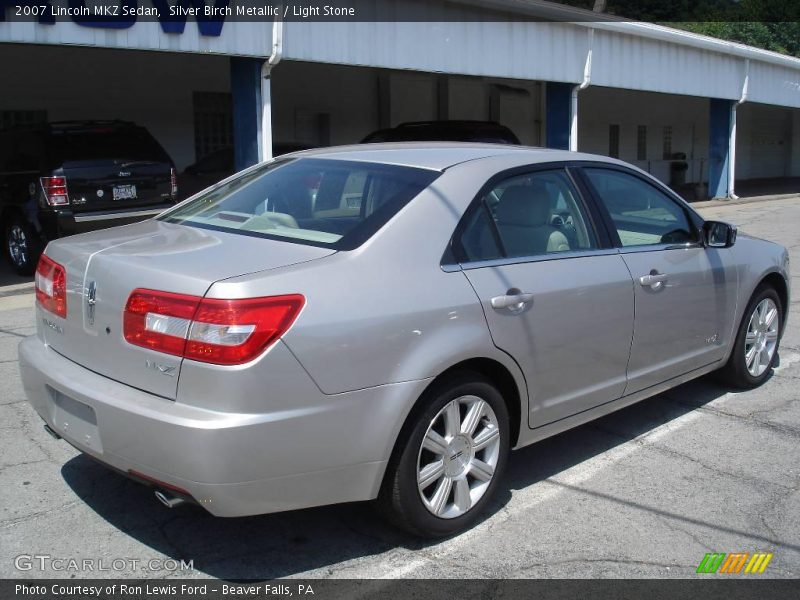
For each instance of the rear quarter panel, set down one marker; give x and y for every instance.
(386, 312)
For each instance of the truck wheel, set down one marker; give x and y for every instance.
(23, 246)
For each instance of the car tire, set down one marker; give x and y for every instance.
(446, 464)
(22, 245)
(755, 349)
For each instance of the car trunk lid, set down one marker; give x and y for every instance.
(108, 265)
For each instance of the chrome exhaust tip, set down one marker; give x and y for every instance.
(168, 501)
(52, 433)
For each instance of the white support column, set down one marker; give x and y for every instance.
(573, 119)
(573, 105)
(732, 154)
(732, 142)
(265, 124)
(265, 128)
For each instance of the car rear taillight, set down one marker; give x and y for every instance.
(222, 332)
(55, 190)
(51, 286)
(173, 181)
(159, 320)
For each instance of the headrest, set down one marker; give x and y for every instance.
(525, 205)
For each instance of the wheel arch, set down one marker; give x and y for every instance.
(501, 377)
(492, 369)
(512, 389)
(776, 281)
(6, 213)
(9, 212)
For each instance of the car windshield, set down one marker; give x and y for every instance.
(322, 202)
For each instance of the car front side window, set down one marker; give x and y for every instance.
(641, 214)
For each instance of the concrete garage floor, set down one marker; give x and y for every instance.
(645, 492)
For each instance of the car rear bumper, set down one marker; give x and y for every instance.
(60, 223)
(197, 449)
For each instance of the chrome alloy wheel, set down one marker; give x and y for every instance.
(458, 457)
(18, 245)
(761, 338)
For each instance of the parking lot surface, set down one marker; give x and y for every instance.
(644, 492)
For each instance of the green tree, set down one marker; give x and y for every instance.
(768, 24)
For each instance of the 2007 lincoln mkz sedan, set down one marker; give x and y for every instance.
(386, 322)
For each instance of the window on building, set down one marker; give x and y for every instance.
(10, 118)
(667, 142)
(213, 122)
(613, 141)
(641, 142)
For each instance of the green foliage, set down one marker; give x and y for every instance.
(783, 37)
(768, 24)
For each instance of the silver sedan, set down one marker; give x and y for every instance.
(386, 322)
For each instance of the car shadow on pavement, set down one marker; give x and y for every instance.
(9, 278)
(284, 544)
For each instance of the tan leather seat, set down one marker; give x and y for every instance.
(523, 219)
(271, 220)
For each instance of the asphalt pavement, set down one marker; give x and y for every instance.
(644, 492)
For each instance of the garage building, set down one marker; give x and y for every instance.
(709, 117)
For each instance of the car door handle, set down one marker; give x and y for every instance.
(653, 280)
(513, 301)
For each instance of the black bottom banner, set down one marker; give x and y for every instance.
(414, 589)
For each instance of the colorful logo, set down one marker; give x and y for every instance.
(736, 562)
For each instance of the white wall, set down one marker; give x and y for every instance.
(763, 141)
(349, 95)
(354, 103)
(794, 162)
(513, 103)
(626, 55)
(152, 89)
(599, 107)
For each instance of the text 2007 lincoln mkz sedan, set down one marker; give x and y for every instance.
(386, 322)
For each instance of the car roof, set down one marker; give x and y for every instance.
(78, 126)
(439, 156)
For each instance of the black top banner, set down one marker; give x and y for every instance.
(123, 13)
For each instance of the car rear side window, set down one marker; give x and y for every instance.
(322, 202)
(131, 143)
(642, 215)
(527, 215)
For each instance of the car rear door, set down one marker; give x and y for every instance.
(556, 297)
(685, 293)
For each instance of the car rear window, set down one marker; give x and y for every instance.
(133, 143)
(321, 202)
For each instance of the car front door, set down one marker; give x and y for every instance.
(685, 293)
(556, 296)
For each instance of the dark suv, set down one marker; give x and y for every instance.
(61, 178)
(445, 131)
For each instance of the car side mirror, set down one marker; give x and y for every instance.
(718, 234)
